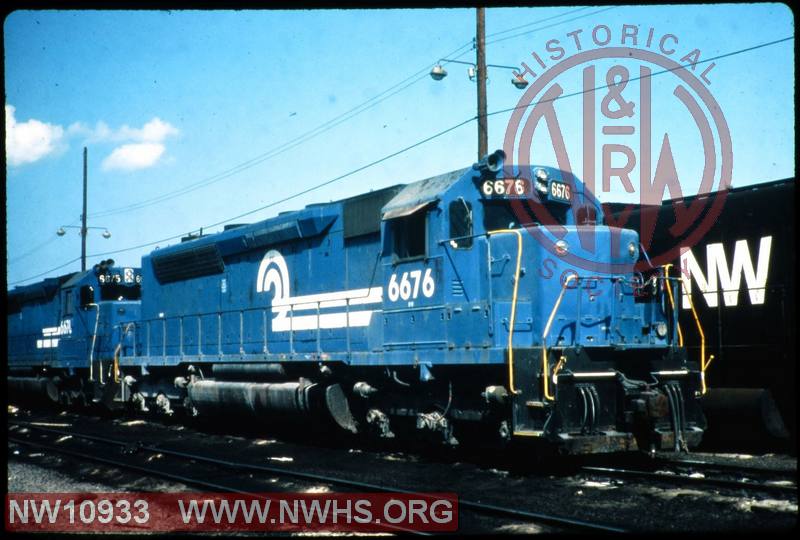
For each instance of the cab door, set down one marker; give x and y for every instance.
(464, 279)
(414, 317)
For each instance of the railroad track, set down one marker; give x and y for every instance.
(740, 470)
(687, 473)
(129, 449)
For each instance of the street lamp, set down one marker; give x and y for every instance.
(438, 72)
(477, 71)
(62, 232)
(82, 231)
(518, 81)
(474, 72)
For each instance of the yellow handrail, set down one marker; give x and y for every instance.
(513, 304)
(117, 351)
(561, 362)
(703, 363)
(672, 301)
(116, 362)
(545, 367)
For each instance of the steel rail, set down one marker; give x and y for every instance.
(353, 484)
(164, 474)
(689, 480)
(727, 467)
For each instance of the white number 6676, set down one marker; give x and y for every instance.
(409, 288)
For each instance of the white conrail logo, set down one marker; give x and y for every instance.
(50, 340)
(292, 313)
(720, 277)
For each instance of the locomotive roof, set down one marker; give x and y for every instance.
(313, 219)
(418, 194)
(42, 290)
(76, 278)
(735, 191)
(775, 184)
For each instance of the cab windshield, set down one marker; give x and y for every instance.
(120, 291)
(501, 215)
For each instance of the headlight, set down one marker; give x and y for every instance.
(661, 329)
(633, 250)
(562, 247)
(541, 180)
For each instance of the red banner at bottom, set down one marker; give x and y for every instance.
(199, 512)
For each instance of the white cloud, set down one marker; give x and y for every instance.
(156, 130)
(100, 133)
(137, 148)
(144, 146)
(129, 157)
(30, 141)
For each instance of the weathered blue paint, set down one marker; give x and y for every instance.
(457, 307)
(49, 326)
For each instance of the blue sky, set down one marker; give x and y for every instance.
(169, 100)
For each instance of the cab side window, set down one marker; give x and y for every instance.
(87, 296)
(409, 236)
(460, 224)
(69, 302)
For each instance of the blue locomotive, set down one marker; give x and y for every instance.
(63, 332)
(477, 303)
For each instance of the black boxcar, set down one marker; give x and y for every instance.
(741, 276)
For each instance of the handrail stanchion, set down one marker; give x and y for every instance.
(347, 326)
(545, 367)
(291, 329)
(91, 351)
(703, 363)
(319, 332)
(241, 332)
(219, 334)
(672, 303)
(264, 325)
(513, 302)
(118, 348)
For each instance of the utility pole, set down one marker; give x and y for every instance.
(84, 229)
(480, 45)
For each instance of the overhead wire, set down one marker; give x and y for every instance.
(498, 40)
(33, 250)
(288, 145)
(418, 143)
(328, 125)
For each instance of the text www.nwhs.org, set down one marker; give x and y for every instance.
(214, 511)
